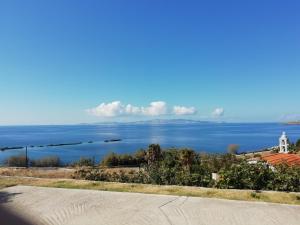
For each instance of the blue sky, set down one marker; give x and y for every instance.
(215, 60)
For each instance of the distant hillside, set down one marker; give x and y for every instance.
(293, 123)
(170, 121)
(156, 121)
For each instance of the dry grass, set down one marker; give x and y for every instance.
(37, 172)
(244, 195)
(51, 172)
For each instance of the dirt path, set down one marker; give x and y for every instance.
(52, 206)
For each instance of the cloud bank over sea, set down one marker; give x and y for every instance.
(155, 108)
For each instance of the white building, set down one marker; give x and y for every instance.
(283, 143)
(215, 176)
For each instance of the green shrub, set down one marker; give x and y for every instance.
(260, 177)
(255, 195)
(215, 162)
(113, 159)
(286, 178)
(97, 174)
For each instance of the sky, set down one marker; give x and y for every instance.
(65, 62)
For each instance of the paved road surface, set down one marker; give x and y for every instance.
(52, 206)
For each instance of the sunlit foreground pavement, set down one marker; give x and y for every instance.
(55, 206)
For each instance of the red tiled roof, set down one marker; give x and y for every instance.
(290, 159)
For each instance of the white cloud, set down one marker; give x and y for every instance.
(218, 112)
(158, 108)
(108, 109)
(182, 110)
(130, 109)
(155, 109)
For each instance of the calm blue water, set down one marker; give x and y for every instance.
(209, 137)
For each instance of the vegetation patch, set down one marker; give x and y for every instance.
(83, 161)
(255, 195)
(17, 161)
(49, 161)
(182, 167)
(187, 168)
(37, 172)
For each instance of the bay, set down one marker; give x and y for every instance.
(206, 137)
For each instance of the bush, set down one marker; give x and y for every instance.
(17, 161)
(113, 159)
(90, 174)
(126, 159)
(255, 195)
(84, 162)
(110, 160)
(140, 157)
(97, 174)
(215, 162)
(246, 176)
(286, 178)
(49, 161)
(260, 177)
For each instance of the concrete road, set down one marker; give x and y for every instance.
(54, 206)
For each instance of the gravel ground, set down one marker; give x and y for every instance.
(52, 206)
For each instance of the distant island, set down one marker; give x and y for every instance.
(155, 122)
(63, 144)
(112, 140)
(10, 148)
(293, 123)
(49, 145)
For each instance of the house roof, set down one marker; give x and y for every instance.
(290, 159)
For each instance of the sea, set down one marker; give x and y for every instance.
(200, 136)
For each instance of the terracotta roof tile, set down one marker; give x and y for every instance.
(290, 159)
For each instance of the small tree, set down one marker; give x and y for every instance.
(153, 157)
(111, 159)
(140, 157)
(187, 157)
(153, 154)
(233, 148)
